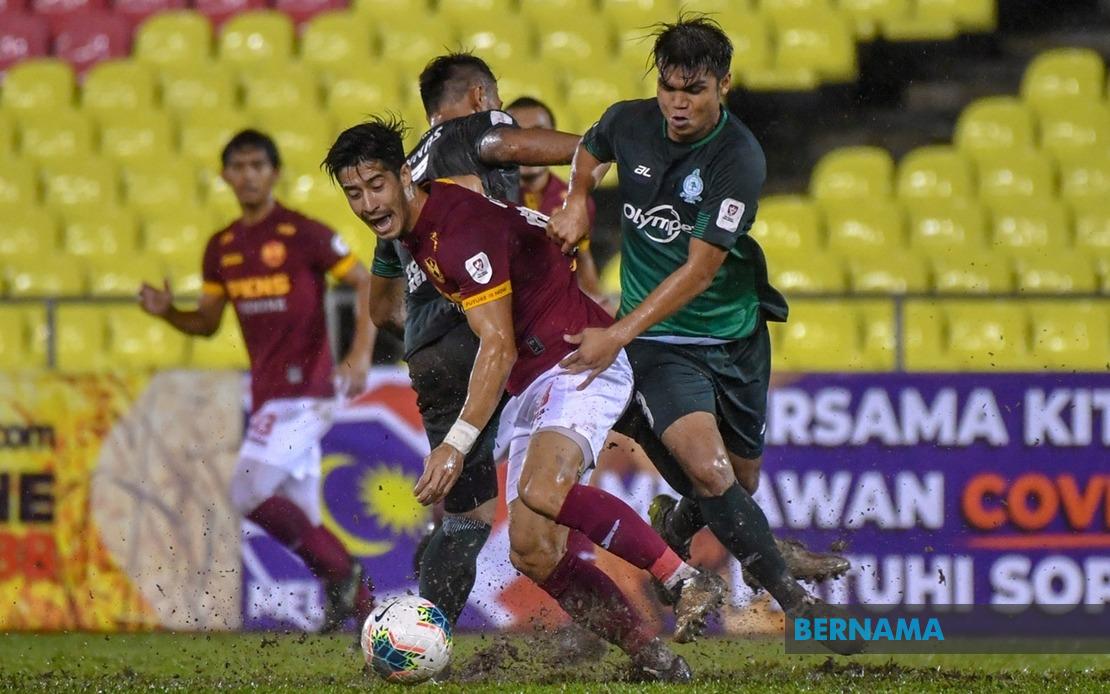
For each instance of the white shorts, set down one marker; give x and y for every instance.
(281, 454)
(552, 401)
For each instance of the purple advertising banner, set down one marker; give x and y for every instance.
(941, 488)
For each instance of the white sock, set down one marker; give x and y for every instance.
(682, 573)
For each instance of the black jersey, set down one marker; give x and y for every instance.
(449, 149)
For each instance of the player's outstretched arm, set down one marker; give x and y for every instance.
(352, 369)
(569, 225)
(492, 322)
(204, 321)
(598, 347)
(531, 147)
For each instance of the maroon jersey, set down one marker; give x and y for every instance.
(476, 250)
(273, 273)
(552, 196)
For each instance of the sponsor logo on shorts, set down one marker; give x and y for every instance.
(479, 268)
(661, 224)
(729, 214)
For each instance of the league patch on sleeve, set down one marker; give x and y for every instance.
(339, 245)
(730, 213)
(479, 268)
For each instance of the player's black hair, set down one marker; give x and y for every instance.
(532, 102)
(251, 139)
(378, 139)
(693, 43)
(447, 78)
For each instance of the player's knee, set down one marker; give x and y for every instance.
(712, 475)
(747, 472)
(544, 495)
(532, 554)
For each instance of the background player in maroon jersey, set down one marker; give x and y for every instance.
(544, 191)
(271, 265)
(521, 299)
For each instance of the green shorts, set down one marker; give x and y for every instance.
(728, 380)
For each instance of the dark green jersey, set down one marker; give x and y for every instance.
(672, 192)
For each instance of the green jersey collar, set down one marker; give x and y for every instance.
(712, 133)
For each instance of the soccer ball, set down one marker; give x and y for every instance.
(407, 639)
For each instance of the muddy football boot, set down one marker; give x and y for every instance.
(698, 598)
(816, 608)
(805, 564)
(339, 599)
(657, 663)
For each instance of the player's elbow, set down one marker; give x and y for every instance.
(500, 349)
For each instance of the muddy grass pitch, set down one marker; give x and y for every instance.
(308, 663)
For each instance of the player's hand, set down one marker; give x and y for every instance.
(156, 302)
(442, 468)
(350, 374)
(569, 224)
(597, 350)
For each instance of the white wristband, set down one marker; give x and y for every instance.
(462, 436)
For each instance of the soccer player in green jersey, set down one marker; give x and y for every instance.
(694, 292)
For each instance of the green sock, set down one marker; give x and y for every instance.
(449, 564)
(740, 525)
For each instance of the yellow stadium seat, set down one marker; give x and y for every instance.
(257, 37)
(219, 198)
(334, 40)
(55, 135)
(1020, 173)
(118, 85)
(277, 88)
(304, 187)
(469, 15)
(224, 350)
(173, 232)
(508, 39)
(973, 273)
(174, 38)
(947, 228)
(79, 182)
(817, 40)
(934, 172)
(151, 186)
(1063, 74)
(384, 9)
(807, 272)
(874, 228)
(589, 96)
(1070, 336)
(780, 8)
(141, 341)
(750, 34)
(879, 338)
(633, 46)
(775, 79)
(994, 123)
(409, 41)
(198, 87)
(136, 136)
(43, 84)
(1060, 271)
(894, 272)
(205, 133)
(1083, 178)
(184, 274)
(361, 240)
(970, 15)
(533, 79)
(987, 335)
(81, 339)
(572, 44)
(355, 95)
(922, 335)
(1103, 265)
(18, 187)
(787, 224)
(914, 27)
(1029, 226)
(99, 231)
(869, 15)
(1092, 226)
(853, 173)
(45, 276)
(820, 337)
(302, 138)
(639, 12)
(19, 328)
(121, 276)
(27, 231)
(1075, 129)
(541, 12)
(7, 136)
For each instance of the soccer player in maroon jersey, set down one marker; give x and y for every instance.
(545, 192)
(271, 264)
(520, 298)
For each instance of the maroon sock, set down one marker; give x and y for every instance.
(364, 603)
(322, 552)
(612, 524)
(592, 599)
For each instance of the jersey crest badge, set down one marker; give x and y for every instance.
(692, 187)
(433, 269)
(479, 268)
(273, 253)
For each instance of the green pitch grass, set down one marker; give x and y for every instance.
(308, 663)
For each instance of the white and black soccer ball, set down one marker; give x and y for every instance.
(407, 640)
